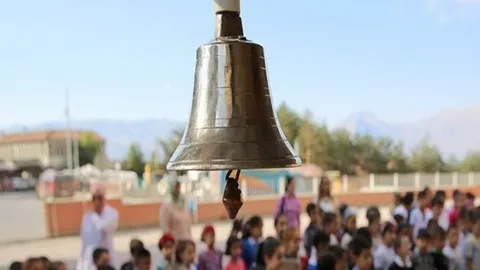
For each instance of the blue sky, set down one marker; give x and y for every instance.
(403, 60)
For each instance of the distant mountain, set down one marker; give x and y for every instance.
(118, 134)
(455, 132)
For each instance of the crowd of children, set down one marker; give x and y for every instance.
(422, 234)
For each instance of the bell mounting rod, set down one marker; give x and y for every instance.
(228, 23)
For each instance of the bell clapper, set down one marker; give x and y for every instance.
(232, 195)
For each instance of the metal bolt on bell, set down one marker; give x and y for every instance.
(232, 124)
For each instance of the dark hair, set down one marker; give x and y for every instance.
(388, 227)
(423, 234)
(426, 189)
(452, 227)
(310, 208)
(402, 226)
(422, 195)
(398, 196)
(143, 253)
(289, 179)
(232, 240)
(105, 267)
(397, 243)
(320, 238)
(327, 194)
(438, 233)
(97, 253)
(399, 218)
(328, 218)
(437, 201)
(470, 196)
(342, 209)
(252, 222)
(365, 233)
(16, 265)
(237, 225)
(373, 214)
(359, 244)
(441, 194)
(181, 247)
(266, 248)
(44, 259)
(338, 252)
(469, 215)
(456, 192)
(56, 265)
(408, 198)
(326, 261)
(135, 246)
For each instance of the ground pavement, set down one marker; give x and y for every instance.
(68, 248)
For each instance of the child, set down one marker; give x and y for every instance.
(327, 262)
(349, 226)
(361, 253)
(421, 259)
(438, 237)
(472, 245)
(251, 239)
(237, 226)
(280, 223)
(453, 250)
(419, 215)
(397, 201)
(313, 212)
(166, 245)
(101, 257)
(58, 265)
(269, 255)
(185, 255)
(135, 245)
(384, 255)
(321, 242)
(402, 254)
(16, 266)
(330, 226)
(234, 250)
(373, 218)
(341, 257)
(143, 260)
(438, 213)
(210, 259)
(291, 241)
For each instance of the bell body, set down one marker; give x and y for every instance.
(232, 124)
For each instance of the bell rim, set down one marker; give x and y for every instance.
(292, 162)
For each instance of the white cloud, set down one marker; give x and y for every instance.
(455, 9)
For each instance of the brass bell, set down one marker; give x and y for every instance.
(232, 124)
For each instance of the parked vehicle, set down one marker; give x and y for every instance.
(20, 184)
(56, 184)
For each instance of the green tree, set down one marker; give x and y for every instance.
(134, 160)
(88, 148)
(308, 138)
(426, 157)
(168, 145)
(471, 162)
(398, 159)
(289, 121)
(342, 154)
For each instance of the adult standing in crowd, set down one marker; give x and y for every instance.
(174, 216)
(97, 229)
(289, 205)
(325, 200)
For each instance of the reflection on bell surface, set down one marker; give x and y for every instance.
(232, 122)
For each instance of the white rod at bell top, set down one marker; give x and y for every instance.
(226, 5)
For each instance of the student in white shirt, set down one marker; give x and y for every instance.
(406, 206)
(419, 215)
(438, 213)
(385, 254)
(373, 218)
(331, 227)
(453, 250)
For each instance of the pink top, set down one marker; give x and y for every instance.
(175, 219)
(238, 264)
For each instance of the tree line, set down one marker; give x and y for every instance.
(353, 154)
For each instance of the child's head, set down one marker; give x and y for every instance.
(452, 236)
(437, 206)
(185, 252)
(270, 253)
(290, 185)
(403, 229)
(59, 265)
(458, 199)
(143, 259)
(321, 241)
(467, 219)
(166, 245)
(327, 261)
(208, 235)
(399, 219)
(422, 198)
(281, 224)
(408, 199)
(340, 257)
(330, 223)
(361, 252)
(438, 238)
(350, 219)
(432, 226)
(403, 246)
(34, 264)
(365, 233)
(135, 245)
(16, 266)
(397, 198)
(291, 241)
(234, 247)
(441, 194)
(314, 213)
(423, 240)
(237, 227)
(389, 233)
(373, 218)
(101, 257)
(253, 228)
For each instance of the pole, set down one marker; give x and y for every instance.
(68, 132)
